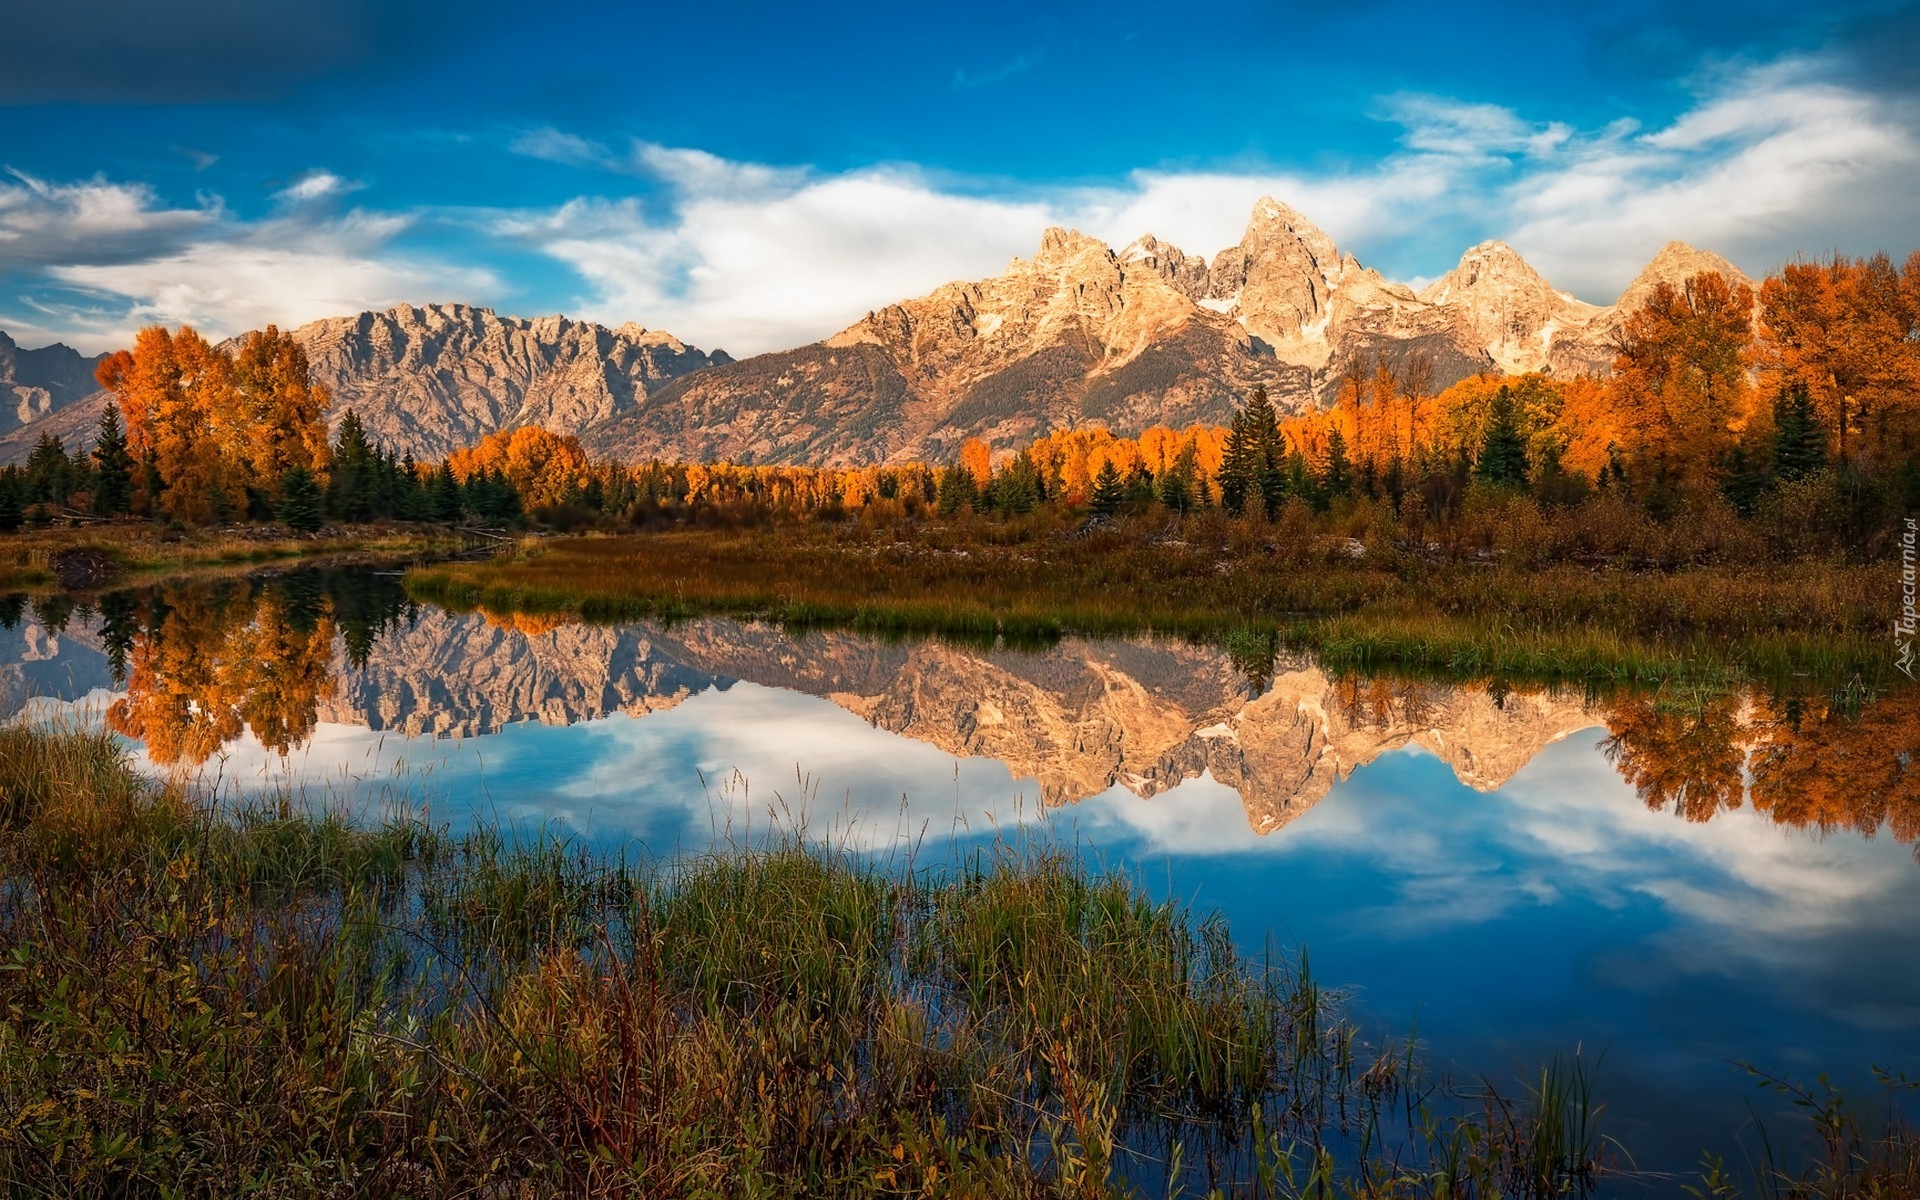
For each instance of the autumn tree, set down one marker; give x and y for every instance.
(1680, 371)
(276, 422)
(1848, 331)
(977, 459)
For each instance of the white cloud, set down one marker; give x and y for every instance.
(130, 264)
(53, 223)
(315, 185)
(1768, 163)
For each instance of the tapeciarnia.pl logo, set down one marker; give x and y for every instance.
(1903, 628)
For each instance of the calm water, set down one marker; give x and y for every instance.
(1677, 883)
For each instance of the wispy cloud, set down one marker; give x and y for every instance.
(969, 81)
(1770, 161)
(109, 258)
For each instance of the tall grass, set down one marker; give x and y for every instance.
(1605, 621)
(271, 1002)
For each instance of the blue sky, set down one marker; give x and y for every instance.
(753, 177)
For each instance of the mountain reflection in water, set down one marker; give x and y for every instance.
(197, 666)
(1489, 872)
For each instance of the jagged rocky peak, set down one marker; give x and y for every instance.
(1280, 281)
(1676, 263)
(1492, 265)
(1507, 308)
(37, 384)
(434, 378)
(1066, 249)
(1186, 272)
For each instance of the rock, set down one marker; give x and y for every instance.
(439, 378)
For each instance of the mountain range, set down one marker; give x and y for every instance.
(1145, 716)
(1078, 333)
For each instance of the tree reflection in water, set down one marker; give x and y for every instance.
(202, 663)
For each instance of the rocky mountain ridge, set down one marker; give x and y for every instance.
(1145, 716)
(1081, 333)
(1078, 333)
(37, 385)
(440, 377)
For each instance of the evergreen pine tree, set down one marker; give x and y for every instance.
(303, 507)
(1179, 484)
(957, 491)
(1741, 480)
(443, 496)
(1252, 464)
(1799, 443)
(1109, 490)
(1503, 451)
(1239, 466)
(12, 511)
(49, 471)
(1017, 487)
(1336, 474)
(355, 481)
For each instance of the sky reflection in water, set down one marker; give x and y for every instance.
(1556, 910)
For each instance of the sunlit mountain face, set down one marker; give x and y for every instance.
(1682, 881)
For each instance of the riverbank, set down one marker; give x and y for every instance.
(1356, 605)
(123, 553)
(193, 1001)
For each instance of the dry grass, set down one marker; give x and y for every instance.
(98, 555)
(1214, 579)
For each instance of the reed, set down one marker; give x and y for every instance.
(1606, 621)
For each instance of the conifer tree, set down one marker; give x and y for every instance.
(1503, 451)
(354, 470)
(113, 467)
(957, 491)
(302, 506)
(443, 496)
(1336, 474)
(1799, 440)
(1252, 464)
(1109, 490)
(12, 510)
(49, 471)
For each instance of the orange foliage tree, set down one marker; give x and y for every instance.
(1680, 375)
(208, 429)
(1849, 331)
(545, 468)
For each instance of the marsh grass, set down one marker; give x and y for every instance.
(121, 553)
(270, 1001)
(1605, 621)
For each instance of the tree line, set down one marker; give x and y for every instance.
(1801, 397)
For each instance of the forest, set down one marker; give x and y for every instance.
(1795, 409)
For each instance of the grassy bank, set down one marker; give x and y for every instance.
(124, 553)
(1506, 614)
(284, 1004)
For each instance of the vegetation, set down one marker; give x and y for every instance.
(1600, 592)
(89, 557)
(195, 1002)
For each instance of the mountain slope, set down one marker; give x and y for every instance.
(36, 388)
(1076, 333)
(439, 378)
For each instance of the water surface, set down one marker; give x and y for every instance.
(1674, 883)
